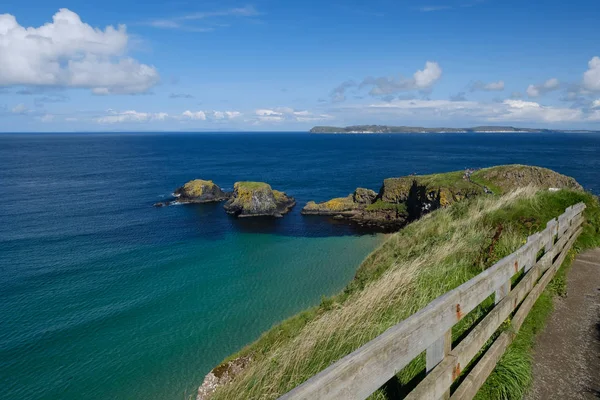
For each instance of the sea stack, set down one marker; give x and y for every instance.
(256, 199)
(197, 191)
(200, 191)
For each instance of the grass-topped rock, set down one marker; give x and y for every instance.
(347, 206)
(404, 199)
(254, 199)
(197, 191)
(201, 191)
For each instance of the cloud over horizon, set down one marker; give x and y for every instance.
(591, 77)
(69, 53)
(421, 80)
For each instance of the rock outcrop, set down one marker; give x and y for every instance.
(221, 375)
(404, 199)
(197, 191)
(362, 207)
(200, 191)
(254, 199)
(510, 177)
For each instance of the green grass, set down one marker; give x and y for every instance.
(412, 267)
(448, 179)
(382, 205)
(251, 185)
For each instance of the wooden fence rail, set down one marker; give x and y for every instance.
(362, 372)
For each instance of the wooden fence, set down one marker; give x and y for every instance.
(362, 372)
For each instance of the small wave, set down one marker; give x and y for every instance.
(175, 195)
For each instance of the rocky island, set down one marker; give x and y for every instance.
(405, 199)
(197, 191)
(254, 199)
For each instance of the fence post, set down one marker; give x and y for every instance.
(552, 225)
(532, 251)
(436, 353)
(502, 292)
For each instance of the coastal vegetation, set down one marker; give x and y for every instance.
(405, 199)
(415, 265)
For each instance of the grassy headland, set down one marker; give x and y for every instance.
(411, 268)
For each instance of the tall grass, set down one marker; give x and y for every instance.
(414, 266)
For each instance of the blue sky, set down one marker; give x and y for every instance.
(283, 65)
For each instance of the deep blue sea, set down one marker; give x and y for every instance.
(103, 296)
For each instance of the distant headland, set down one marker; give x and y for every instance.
(420, 129)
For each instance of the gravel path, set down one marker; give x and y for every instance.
(567, 353)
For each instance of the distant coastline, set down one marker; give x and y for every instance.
(419, 129)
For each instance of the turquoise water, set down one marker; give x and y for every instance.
(105, 297)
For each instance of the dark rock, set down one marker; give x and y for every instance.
(364, 196)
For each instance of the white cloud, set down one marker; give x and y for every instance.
(288, 114)
(210, 115)
(519, 110)
(421, 80)
(591, 77)
(183, 22)
(198, 115)
(67, 52)
(130, 116)
(446, 110)
(19, 109)
(596, 104)
(233, 114)
(543, 88)
(267, 113)
(47, 118)
(428, 76)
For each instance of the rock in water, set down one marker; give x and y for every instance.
(200, 191)
(254, 199)
(347, 206)
(363, 207)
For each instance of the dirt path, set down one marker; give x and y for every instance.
(567, 353)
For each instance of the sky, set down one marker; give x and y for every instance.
(288, 65)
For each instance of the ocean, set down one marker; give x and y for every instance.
(105, 297)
